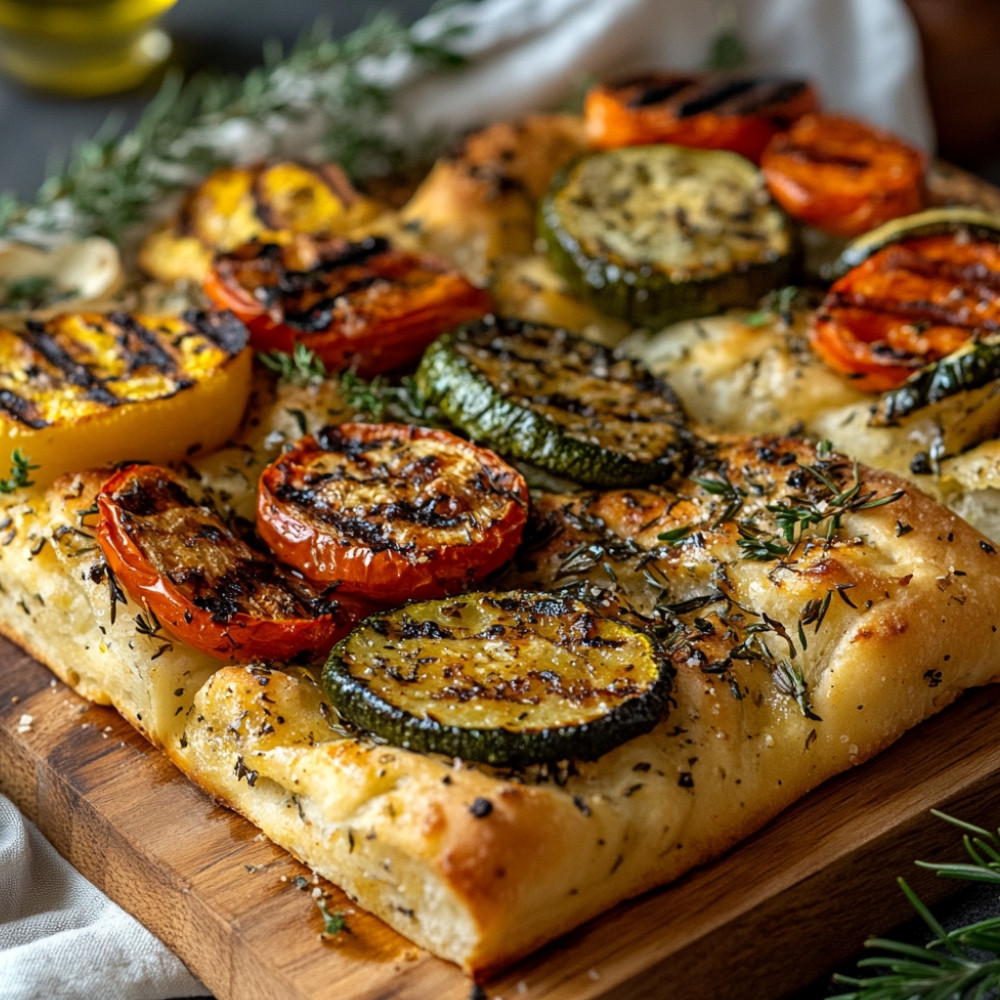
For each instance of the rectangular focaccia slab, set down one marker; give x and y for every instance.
(789, 669)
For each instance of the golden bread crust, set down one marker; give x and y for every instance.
(481, 866)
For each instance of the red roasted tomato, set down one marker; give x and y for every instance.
(208, 587)
(363, 305)
(704, 110)
(392, 511)
(843, 175)
(907, 305)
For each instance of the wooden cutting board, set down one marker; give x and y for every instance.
(782, 909)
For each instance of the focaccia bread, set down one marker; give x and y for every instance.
(790, 667)
(807, 609)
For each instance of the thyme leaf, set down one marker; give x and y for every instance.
(301, 367)
(797, 515)
(20, 473)
(333, 923)
(381, 399)
(777, 304)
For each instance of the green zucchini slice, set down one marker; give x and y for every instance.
(558, 401)
(508, 679)
(974, 365)
(656, 234)
(932, 222)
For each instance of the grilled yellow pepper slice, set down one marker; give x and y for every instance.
(89, 389)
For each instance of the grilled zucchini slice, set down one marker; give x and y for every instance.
(931, 222)
(656, 234)
(508, 679)
(558, 401)
(974, 365)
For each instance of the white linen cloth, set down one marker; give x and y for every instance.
(60, 938)
(864, 55)
(63, 939)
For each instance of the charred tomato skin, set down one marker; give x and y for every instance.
(364, 305)
(391, 511)
(233, 605)
(909, 304)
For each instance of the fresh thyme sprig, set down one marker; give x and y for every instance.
(326, 98)
(962, 964)
(301, 367)
(381, 399)
(20, 473)
(796, 516)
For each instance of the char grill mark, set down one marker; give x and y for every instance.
(150, 354)
(74, 372)
(977, 279)
(765, 93)
(728, 97)
(813, 155)
(220, 327)
(913, 312)
(22, 410)
(655, 93)
(374, 529)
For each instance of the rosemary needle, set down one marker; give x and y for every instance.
(961, 964)
(324, 87)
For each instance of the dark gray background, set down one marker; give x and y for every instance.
(38, 130)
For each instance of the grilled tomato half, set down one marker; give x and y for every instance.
(90, 389)
(364, 305)
(207, 585)
(843, 175)
(909, 304)
(391, 511)
(704, 110)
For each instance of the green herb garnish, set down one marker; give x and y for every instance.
(776, 305)
(333, 923)
(796, 516)
(380, 399)
(301, 367)
(963, 964)
(342, 88)
(20, 469)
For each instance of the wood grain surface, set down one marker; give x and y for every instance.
(783, 908)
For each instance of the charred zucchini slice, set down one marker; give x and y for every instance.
(972, 366)
(557, 400)
(656, 234)
(932, 222)
(508, 679)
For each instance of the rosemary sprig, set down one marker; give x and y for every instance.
(326, 98)
(962, 964)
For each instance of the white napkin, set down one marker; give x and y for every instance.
(60, 938)
(864, 55)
